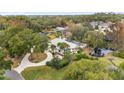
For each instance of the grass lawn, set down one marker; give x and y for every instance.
(117, 60)
(43, 73)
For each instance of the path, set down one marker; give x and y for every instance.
(13, 75)
(25, 63)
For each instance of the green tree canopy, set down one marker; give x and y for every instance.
(95, 39)
(86, 70)
(78, 31)
(19, 41)
(4, 65)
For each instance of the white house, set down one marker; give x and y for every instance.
(72, 46)
(61, 28)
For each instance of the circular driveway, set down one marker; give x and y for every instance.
(25, 63)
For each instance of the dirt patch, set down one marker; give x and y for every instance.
(16, 61)
(37, 57)
(87, 50)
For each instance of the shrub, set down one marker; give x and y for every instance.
(55, 63)
(119, 54)
(79, 56)
(64, 63)
(1, 54)
(93, 58)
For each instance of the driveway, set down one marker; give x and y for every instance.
(25, 63)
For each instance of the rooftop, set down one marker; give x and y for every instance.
(58, 40)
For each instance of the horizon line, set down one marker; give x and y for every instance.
(53, 13)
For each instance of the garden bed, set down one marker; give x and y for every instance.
(37, 57)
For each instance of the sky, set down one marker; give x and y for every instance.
(60, 6)
(46, 13)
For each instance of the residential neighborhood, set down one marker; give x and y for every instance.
(73, 47)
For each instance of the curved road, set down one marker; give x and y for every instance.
(15, 74)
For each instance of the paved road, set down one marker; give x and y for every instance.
(13, 75)
(25, 63)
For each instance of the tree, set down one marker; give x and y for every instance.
(68, 57)
(117, 36)
(63, 46)
(95, 39)
(19, 41)
(53, 47)
(78, 31)
(55, 63)
(2, 72)
(19, 21)
(6, 35)
(60, 63)
(120, 73)
(3, 23)
(35, 25)
(22, 43)
(1, 55)
(106, 17)
(86, 70)
(40, 42)
(4, 64)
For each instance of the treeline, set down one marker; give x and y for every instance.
(38, 23)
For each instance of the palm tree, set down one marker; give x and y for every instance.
(63, 46)
(53, 47)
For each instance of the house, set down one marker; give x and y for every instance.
(67, 34)
(64, 31)
(61, 28)
(94, 24)
(102, 26)
(73, 47)
(105, 26)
